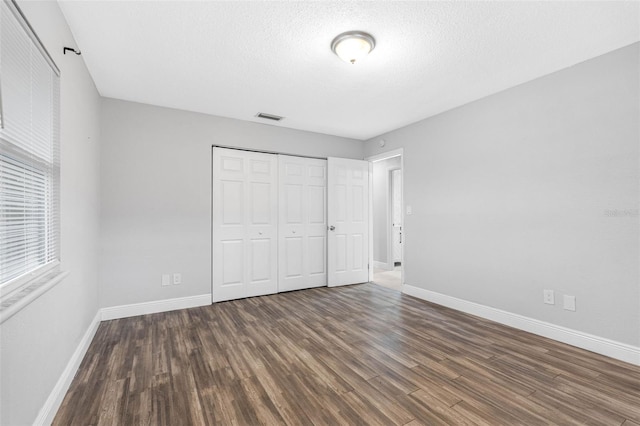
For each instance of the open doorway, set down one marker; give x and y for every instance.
(386, 219)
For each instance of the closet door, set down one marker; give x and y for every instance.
(245, 214)
(302, 242)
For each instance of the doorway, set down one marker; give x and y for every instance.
(387, 220)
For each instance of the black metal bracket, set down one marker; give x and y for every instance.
(64, 51)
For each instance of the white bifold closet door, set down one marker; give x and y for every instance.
(245, 224)
(302, 242)
(270, 217)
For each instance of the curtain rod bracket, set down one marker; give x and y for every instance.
(65, 49)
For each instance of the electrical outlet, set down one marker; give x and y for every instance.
(569, 303)
(548, 297)
(166, 280)
(409, 210)
(177, 279)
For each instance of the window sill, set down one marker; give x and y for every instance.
(16, 301)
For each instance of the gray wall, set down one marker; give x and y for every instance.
(37, 343)
(381, 208)
(156, 193)
(513, 194)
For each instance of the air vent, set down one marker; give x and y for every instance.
(269, 116)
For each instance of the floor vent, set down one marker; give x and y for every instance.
(269, 116)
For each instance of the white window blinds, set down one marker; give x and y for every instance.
(29, 160)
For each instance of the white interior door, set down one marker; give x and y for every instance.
(245, 216)
(348, 220)
(302, 228)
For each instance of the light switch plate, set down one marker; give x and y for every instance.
(166, 280)
(569, 303)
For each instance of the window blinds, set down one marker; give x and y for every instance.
(29, 156)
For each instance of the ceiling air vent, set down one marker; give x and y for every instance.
(269, 116)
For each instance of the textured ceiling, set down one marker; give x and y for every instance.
(235, 59)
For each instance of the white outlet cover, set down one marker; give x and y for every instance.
(177, 279)
(549, 298)
(166, 280)
(409, 210)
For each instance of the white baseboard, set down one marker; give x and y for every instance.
(601, 345)
(52, 404)
(135, 309)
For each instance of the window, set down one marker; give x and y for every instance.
(29, 160)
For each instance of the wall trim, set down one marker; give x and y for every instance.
(53, 402)
(611, 348)
(144, 308)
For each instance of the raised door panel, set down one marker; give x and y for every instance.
(293, 203)
(260, 252)
(232, 275)
(317, 204)
(318, 256)
(340, 253)
(260, 209)
(232, 202)
(293, 251)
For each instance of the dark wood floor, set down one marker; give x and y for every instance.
(353, 355)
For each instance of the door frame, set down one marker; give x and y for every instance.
(399, 152)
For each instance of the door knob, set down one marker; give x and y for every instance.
(332, 228)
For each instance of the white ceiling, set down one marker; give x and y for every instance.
(235, 59)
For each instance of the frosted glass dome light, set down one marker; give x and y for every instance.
(353, 46)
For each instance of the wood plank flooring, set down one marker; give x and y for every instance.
(352, 355)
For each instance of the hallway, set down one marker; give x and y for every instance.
(388, 279)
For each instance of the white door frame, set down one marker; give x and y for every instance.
(372, 159)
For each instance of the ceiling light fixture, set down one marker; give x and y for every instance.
(352, 46)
